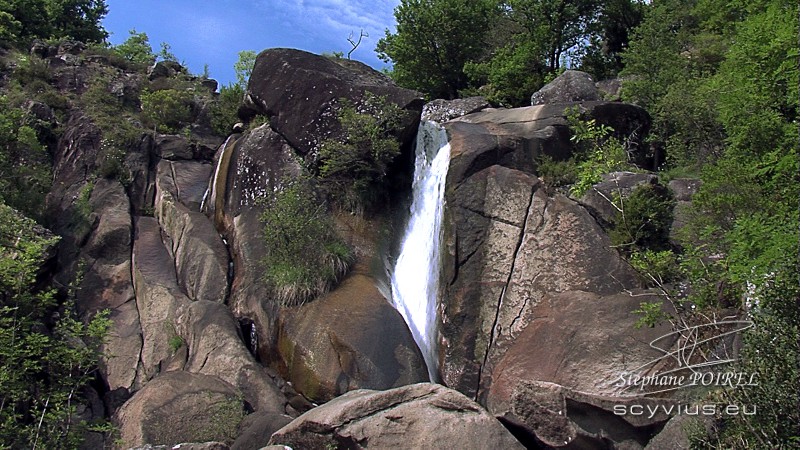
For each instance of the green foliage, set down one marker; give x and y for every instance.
(353, 170)
(25, 166)
(30, 69)
(643, 219)
(136, 48)
(510, 77)
(333, 55)
(433, 41)
(244, 67)
(610, 35)
(599, 152)
(721, 81)
(659, 267)
(175, 342)
(42, 369)
(758, 80)
(652, 314)
(770, 353)
(223, 424)
(304, 254)
(165, 53)
(557, 173)
(119, 123)
(224, 110)
(24, 20)
(166, 110)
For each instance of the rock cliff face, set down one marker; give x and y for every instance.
(532, 291)
(174, 252)
(535, 305)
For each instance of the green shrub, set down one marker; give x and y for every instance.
(770, 353)
(175, 342)
(43, 365)
(30, 68)
(597, 151)
(167, 110)
(136, 49)
(353, 169)
(557, 173)
(121, 129)
(304, 254)
(25, 166)
(224, 110)
(644, 219)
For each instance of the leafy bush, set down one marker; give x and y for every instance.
(557, 173)
(511, 76)
(353, 169)
(770, 353)
(25, 167)
(166, 110)
(224, 110)
(598, 152)
(136, 49)
(304, 254)
(31, 68)
(643, 219)
(119, 123)
(43, 368)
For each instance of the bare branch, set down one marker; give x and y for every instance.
(354, 43)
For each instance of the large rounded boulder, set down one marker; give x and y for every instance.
(352, 338)
(418, 416)
(180, 407)
(570, 86)
(300, 92)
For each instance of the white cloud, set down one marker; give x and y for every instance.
(334, 20)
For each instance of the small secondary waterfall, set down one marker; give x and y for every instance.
(415, 279)
(212, 188)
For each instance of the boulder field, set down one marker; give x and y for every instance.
(535, 308)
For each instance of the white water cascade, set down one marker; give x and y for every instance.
(415, 279)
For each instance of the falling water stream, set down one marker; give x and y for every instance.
(415, 278)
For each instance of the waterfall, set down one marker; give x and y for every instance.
(212, 188)
(415, 279)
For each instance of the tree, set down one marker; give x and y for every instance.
(354, 168)
(76, 19)
(25, 166)
(244, 67)
(167, 109)
(355, 43)
(610, 36)
(726, 73)
(136, 48)
(166, 53)
(224, 112)
(533, 39)
(433, 41)
(556, 26)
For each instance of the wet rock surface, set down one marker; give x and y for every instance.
(351, 338)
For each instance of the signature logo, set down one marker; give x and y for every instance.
(689, 356)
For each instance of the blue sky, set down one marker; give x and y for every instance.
(213, 32)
